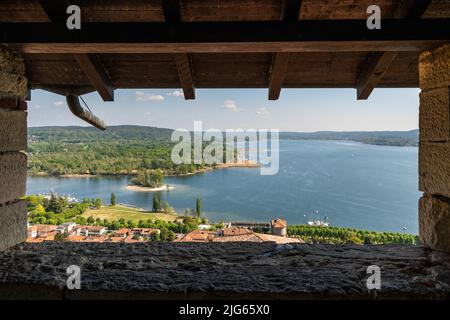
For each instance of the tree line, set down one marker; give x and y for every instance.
(339, 235)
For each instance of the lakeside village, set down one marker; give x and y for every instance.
(59, 218)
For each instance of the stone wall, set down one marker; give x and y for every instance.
(13, 142)
(434, 148)
(238, 271)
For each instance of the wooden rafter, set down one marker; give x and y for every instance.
(277, 74)
(56, 11)
(185, 74)
(290, 12)
(96, 75)
(172, 10)
(173, 13)
(374, 68)
(377, 64)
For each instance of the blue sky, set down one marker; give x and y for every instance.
(297, 109)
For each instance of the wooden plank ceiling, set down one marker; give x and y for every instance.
(78, 73)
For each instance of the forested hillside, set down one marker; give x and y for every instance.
(85, 150)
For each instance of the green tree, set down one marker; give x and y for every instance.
(54, 205)
(98, 203)
(198, 207)
(113, 199)
(40, 209)
(90, 220)
(60, 237)
(156, 202)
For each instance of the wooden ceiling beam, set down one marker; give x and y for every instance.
(96, 75)
(412, 9)
(214, 47)
(291, 10)
(277, 74)
(183, 63)
(280, 61)
(374, 68)
(56, 11)
(255, 36)
(172, 10)
(377, 64)
(173, 13)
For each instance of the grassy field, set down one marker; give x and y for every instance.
(117, 212)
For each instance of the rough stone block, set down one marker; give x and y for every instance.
(12, 75)
(13, 130)
(13, 224)
(13, 104)
(434, 168)
(13, 176)
(12, 84)
(434, 222)
(10, 62)
(434, 68)
(434, 115)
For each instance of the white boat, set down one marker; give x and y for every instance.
(317, 223)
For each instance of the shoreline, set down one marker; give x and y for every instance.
(136, 188)
(218, 166)
(207, 169)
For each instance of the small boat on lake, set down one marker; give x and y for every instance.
(319, 222)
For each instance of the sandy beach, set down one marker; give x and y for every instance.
(78, 175)
(147, 189)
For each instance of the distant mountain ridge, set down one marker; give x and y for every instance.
(390, 138)
(74, 134)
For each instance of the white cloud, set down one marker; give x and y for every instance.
(59, 103)
(34, 106)
(176, 93)
(263, 113)
(141, 96)
(231, 105)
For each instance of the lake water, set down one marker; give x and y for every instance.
(354, 185)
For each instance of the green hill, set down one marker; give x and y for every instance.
(86, 150)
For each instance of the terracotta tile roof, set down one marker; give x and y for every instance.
(94, 228)
(145, 230)
(278, 239)
(74, 238)
(129, 239)
(198, 236)
(115, 239)
(278, 223)
(235, 231)
(29, 239)
(239, 238)
(45, 227)
(122, 231)
(95, 239)
(258, 237)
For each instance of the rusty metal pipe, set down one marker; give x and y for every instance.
(75, 107)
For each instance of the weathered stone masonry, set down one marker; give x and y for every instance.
(13, 142)
(434, 149)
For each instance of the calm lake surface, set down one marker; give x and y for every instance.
(354, 185)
